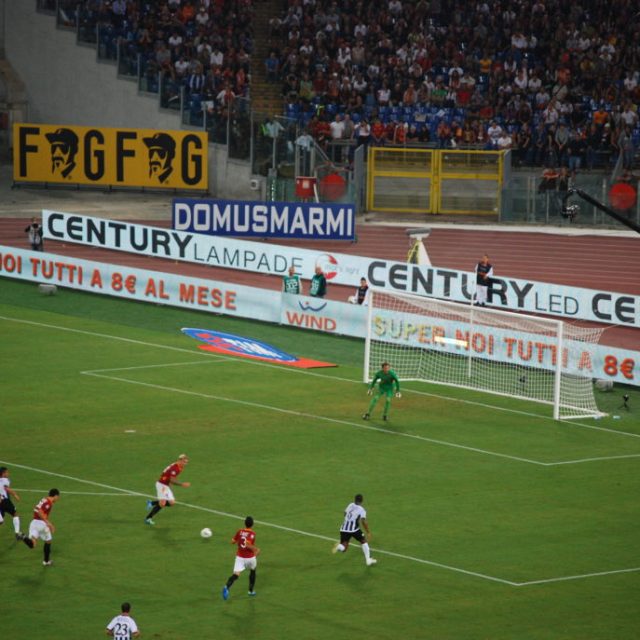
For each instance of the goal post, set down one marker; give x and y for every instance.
(500, 352)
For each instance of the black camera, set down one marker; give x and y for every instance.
(571, 212)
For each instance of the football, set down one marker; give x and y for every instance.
(206, 532)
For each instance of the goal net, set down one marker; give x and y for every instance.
(490, 350)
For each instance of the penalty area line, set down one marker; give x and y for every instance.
(303, 414)
(247, 361)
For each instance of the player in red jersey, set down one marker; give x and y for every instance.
(41, 527)
(246, 557)
(163, 487)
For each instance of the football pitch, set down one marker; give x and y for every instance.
(489, 519)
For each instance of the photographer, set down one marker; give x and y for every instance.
(35, 235)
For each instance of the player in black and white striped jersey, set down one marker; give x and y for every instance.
(123, 627)
(355, 517)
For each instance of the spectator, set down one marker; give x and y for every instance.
(377, 133)
(504, 141)
(561, 140)
(575, 151)
(494, 131)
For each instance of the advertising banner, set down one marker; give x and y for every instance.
(102, 156)
(597, 361)
(323, 315)
(318, 221)
(511, 294)
(140, 284)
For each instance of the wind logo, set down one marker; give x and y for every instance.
(307, 306)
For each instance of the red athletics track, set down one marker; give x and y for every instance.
(598, 261)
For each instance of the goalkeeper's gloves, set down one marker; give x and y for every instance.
(398, 394)
(369, 391)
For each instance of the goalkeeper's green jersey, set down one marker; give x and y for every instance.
(387, 380)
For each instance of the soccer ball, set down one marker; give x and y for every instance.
(206, 532)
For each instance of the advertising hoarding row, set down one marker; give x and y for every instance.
(512, 294)
(598, 361)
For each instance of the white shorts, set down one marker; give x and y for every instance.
(244, 563)
(163, 491)
(39, 529)
(481, 294)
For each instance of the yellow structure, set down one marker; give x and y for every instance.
(401, 179)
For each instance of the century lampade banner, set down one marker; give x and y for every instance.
(101, 156)
(330, 316)
(246, 218)
(261, 257)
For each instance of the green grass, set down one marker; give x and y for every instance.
(466, 498)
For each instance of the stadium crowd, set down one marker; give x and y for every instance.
(203, 46)
(558, 82)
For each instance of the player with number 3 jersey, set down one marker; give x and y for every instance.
(246, 557)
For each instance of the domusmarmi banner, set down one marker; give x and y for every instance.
(101, 156)
(511, 294)
(597, 361)
(240, 218)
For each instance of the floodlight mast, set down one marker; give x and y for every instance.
(567, 213)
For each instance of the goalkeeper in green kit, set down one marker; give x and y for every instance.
(388, 380)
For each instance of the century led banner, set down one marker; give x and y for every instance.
(110, 157)
(507, 293)
(264, 219)
(143, 285)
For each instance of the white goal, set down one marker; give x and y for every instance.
(490, 350)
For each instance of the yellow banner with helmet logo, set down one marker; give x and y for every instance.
(110, 157)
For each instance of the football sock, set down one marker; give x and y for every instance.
(154, 511)
(373, 403)
(1, 518)
(154, 503)
(387, 404)
(16, 524)
(252, 579)
(47, 551)
(28, 542)
(231, 580)
(365, 550)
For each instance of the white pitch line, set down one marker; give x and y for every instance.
(579, 461)
(366, 427)
(582, 576)
(250, 362)
(80, 493)
(303, 414)
(261, 522)
(393, 554)
(156, 366)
